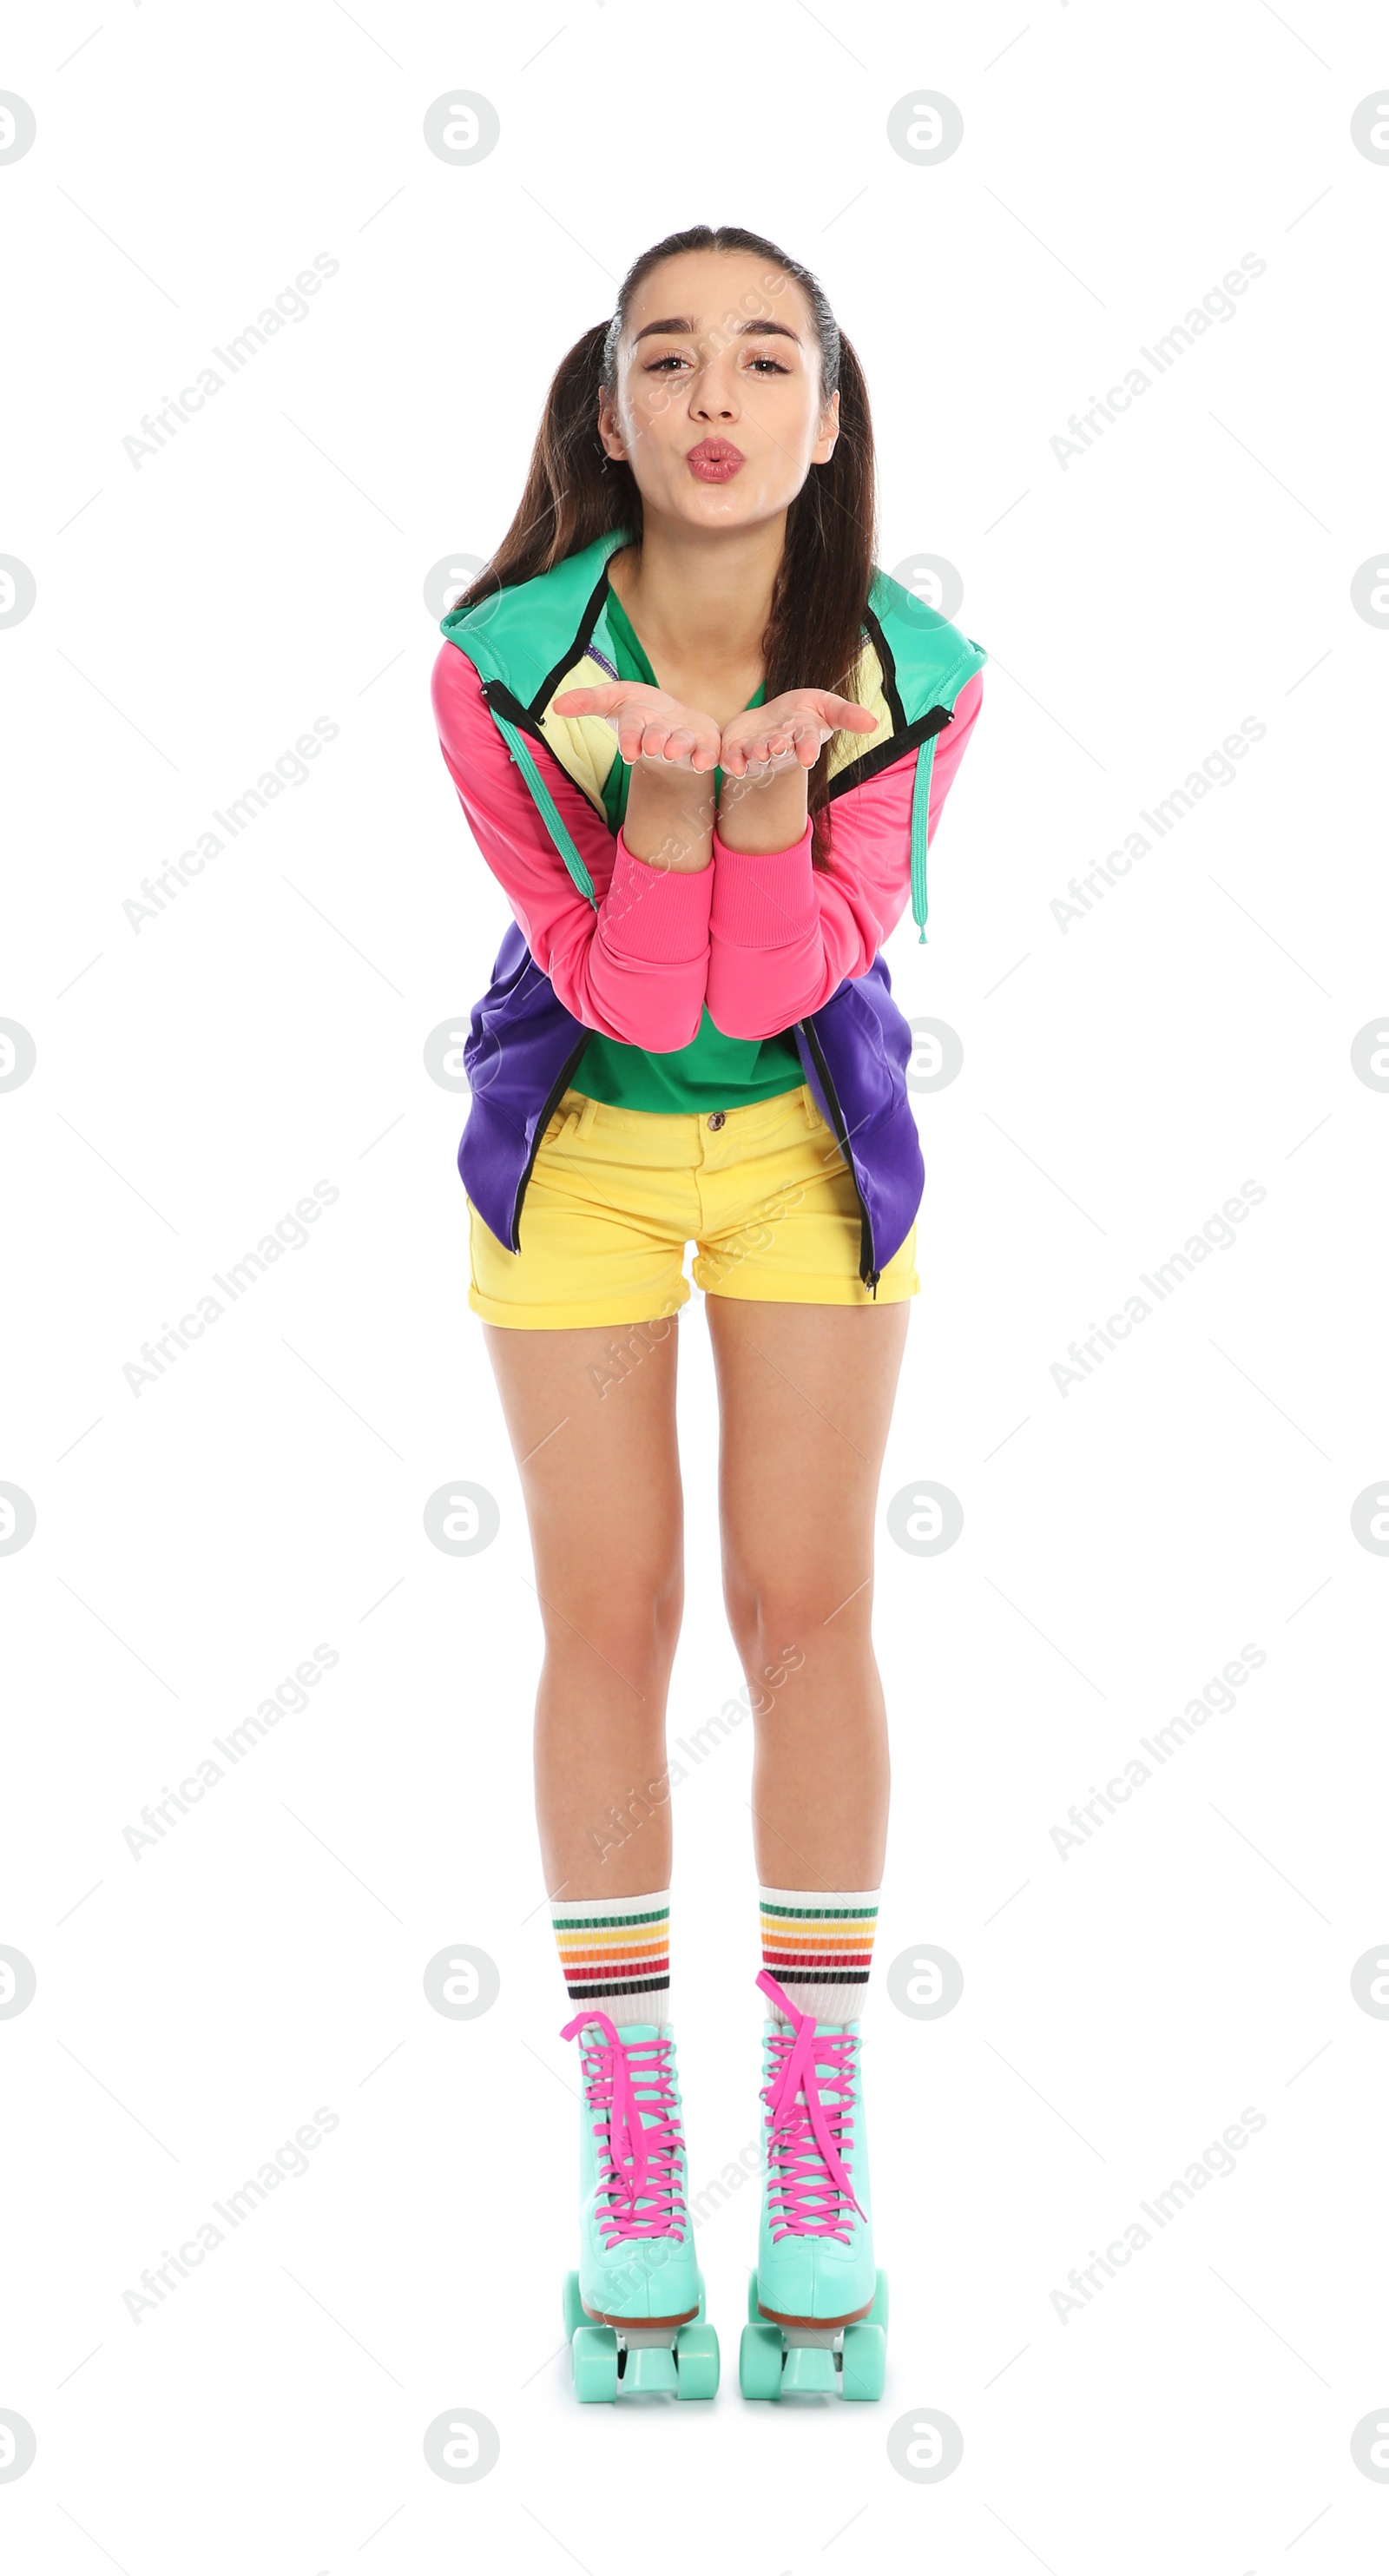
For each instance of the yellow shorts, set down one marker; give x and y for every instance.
(615, 1195)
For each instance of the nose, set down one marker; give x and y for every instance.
(714, 397)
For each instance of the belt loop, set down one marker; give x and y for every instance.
(587, 1116)
(812, 1114)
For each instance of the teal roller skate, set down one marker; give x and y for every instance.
(634, 2310)
(817, 2305)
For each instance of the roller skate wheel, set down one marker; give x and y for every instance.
(697, 2361)
(594, 2352)
(574, 2316)
(864, 2373)
(759, 2360)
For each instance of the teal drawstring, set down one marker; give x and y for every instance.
(921, 813)
(553, 819)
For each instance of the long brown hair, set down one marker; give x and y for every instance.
(576, 493)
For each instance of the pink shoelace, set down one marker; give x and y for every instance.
(809, 2192)
(639, 2141)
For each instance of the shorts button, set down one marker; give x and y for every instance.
(718, 1118)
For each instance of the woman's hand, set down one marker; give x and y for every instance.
(792, 731)
(654, 731)
(671, 750)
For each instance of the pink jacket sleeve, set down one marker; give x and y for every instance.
(636, 968)
(784, 935)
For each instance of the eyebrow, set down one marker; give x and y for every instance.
(683, 324)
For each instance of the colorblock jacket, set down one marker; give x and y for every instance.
(601, 940)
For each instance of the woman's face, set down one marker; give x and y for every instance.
(719, 350)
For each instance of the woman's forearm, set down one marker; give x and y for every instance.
(669, 821)
(785, 935)
(758, 815)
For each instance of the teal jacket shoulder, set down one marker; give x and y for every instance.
(521, 635)
(929, 658)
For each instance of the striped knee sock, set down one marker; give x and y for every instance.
(819, 1947)
(615, 1953)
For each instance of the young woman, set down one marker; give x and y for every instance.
(701, 741)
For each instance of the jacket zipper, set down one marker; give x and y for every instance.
(558, 1089)
(866, 1271)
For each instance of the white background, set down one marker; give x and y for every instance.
(1121, 1542)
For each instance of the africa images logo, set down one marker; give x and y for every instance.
(289, 1235)
(1216, 1235)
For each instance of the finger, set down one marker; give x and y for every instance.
(586, 702)
(667, 743)
(846, 716)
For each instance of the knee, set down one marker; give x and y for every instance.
(628, 1613)
(777, 1614)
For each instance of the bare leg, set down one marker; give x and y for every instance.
(805, 1401)
(601, 1477)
